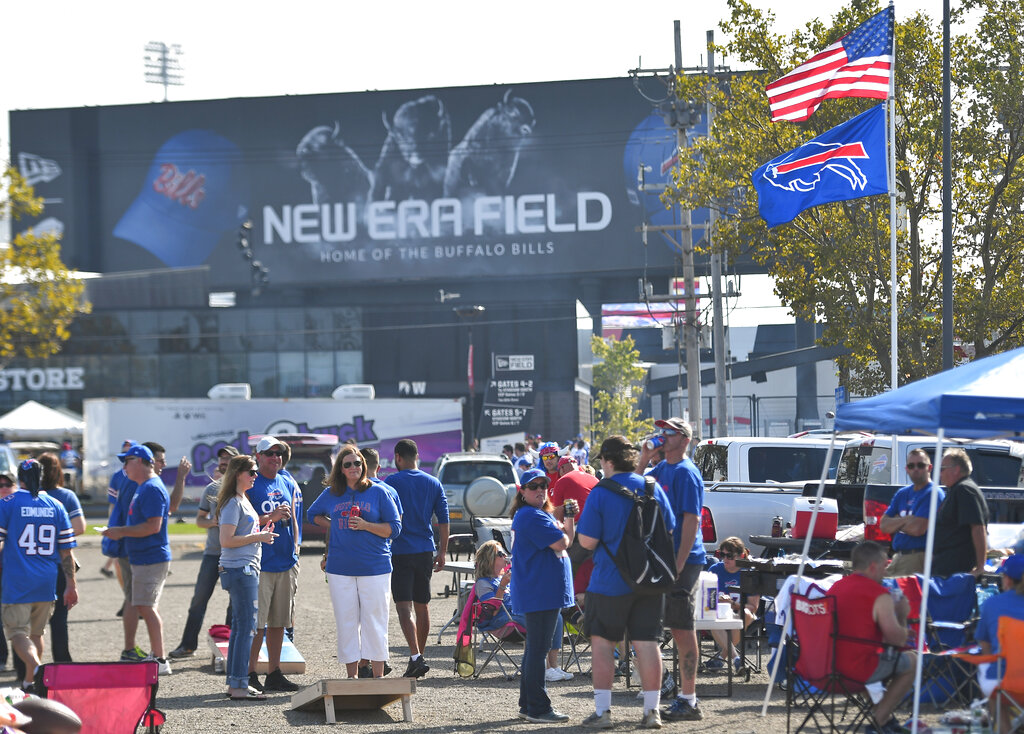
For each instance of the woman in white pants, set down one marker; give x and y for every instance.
(361, 518)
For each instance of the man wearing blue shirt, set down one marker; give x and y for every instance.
(273, 497)
(36, 535)
(611, 606)
(906, 519)
(414, 555)
(685, 489)
(147, 546)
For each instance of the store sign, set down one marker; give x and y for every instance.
(17, 379)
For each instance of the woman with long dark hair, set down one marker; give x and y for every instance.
(542, 586)
(240, 549)
(360, 518)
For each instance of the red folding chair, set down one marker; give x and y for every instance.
(813, 677)
(109, 698)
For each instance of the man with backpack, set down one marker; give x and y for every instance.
(629, 577)
(685, 489)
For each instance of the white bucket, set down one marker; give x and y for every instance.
(707, 596)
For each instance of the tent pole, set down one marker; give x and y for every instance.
(926, 585)
(800, 570)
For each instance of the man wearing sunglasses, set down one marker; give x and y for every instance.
(273, 496)
(906, 520)
(685, 489)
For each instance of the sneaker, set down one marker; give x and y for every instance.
(715, 664)
(107, 572)
(180, 652)
(254, 682)
(594, 721)
(276, 681)
(163, 667)
(387, 668)
(551, 717)
(135, 655)
(417, 668)
(365, 671)
(651, 720)
(681, 710)
(737, 664)
(552, 675)
(522, 715)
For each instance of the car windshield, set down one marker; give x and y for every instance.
(785, 463)
(464, 472)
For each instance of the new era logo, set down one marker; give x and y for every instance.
(37, 170)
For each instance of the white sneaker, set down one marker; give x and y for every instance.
(566, 675)
(163, 666)
(552, 675)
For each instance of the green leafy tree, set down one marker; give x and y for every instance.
(618, 379)
(39, 296)
(831, 264)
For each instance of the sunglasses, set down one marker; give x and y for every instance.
(917, 465)
(727, 556)
(537, 485)
(350, 464)
(273, 453)
(502, 554)
(5, 485)
(669, 432)
(253, 473)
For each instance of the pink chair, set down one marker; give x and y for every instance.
(109, 698)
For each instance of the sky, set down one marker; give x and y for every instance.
(66, 53)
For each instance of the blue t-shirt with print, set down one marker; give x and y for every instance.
(1007, 604)
(543, 577)
(421, 497)
(150, 500)
(357, 552)
(266, 495)
(728, 583)
(908, 502)
(605, 519)
(33, 531)
(684, 488)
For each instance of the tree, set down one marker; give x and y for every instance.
(39, 296)
(831, 264)
(617, 378)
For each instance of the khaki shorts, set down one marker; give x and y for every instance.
(27, 619)
(126, 578)
(277, 598)
(148, 582)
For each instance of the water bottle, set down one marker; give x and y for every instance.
(654, 442)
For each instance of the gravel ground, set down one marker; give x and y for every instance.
(193, 696)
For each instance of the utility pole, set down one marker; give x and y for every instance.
(719, 340)
(690, 332)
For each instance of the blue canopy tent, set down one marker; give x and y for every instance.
(984, 398)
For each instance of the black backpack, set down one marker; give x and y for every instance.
(646, 558)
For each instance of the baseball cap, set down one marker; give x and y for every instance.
(266, 443)
(194, 193)
(1013, 567)
(532, 475)
(525, 461)
(229, 450)
(139, 450)
(676, 424)
(566, 460)
(548, 448)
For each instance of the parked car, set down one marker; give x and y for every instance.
(8, 461)
(312, 456)
(762, 459)
(475, 485)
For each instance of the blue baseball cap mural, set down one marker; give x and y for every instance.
(193, 193)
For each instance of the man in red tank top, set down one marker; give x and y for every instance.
(866, 610)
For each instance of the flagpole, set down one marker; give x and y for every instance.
(894, 361)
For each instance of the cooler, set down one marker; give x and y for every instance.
(826, 524)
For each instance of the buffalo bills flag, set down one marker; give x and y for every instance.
(847, 162)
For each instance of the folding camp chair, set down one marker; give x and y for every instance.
(813, 678)
(579, 643)
(1009, 692)
(109, 698)
(952, 607)
(495, 641)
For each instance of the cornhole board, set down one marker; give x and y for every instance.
(350, 694)
(291, 659)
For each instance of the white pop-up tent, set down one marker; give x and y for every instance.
(984, 398)
(32, 421)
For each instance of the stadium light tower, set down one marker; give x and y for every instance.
(163, 65)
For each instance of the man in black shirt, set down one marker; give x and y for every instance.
(961, 535)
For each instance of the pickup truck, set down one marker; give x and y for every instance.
(868, 475)
(743, 509)
(760, 459)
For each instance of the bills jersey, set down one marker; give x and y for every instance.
(33, 530)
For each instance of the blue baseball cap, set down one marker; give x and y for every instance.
(530, 475)
(139, 450)
(194, 193)
(1013, 567)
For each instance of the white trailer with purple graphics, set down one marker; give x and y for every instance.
(197, 427)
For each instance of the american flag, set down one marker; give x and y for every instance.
(857, 65)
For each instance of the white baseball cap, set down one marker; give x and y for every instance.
(266, 443)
